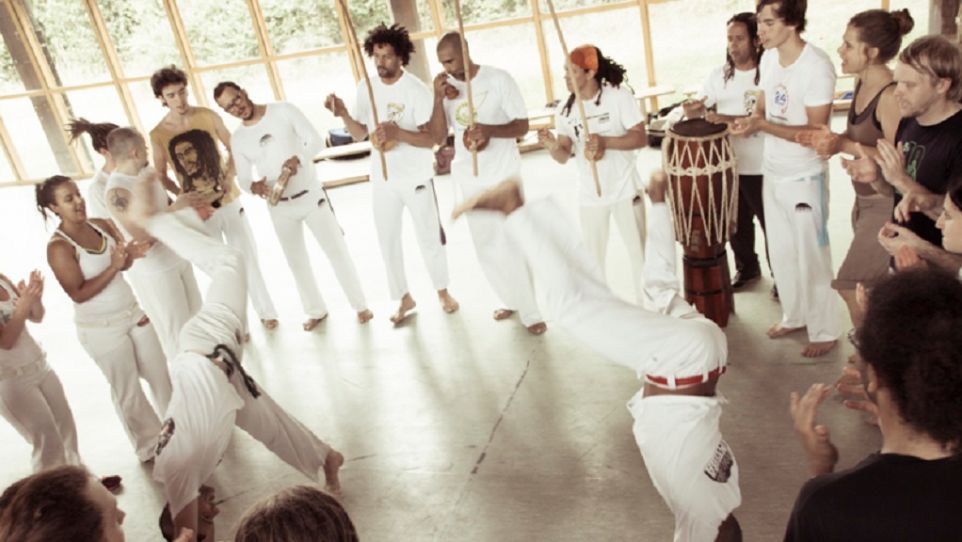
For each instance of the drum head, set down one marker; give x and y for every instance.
(697, 128)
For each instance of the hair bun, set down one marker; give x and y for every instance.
(904, 20)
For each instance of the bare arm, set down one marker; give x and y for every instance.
(634, 138)
(336, 106)
(558, 146)
(28, 306)
(160, 164)
(62, 258)
(438, 125)
(224, 136)
(118, 205)
(512, 130)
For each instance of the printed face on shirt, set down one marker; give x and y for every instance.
(916, 92)
(950, 222)
(186, 154)
(740, 45)
(772, 30)
(388, 63)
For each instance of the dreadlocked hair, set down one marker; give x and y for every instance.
(44, 192)
(396, 36)
(608, 71)
(96, 130)
(751, 25)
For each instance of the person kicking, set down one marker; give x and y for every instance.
(678, 353)
(211, 390)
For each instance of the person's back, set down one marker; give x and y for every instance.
(885, 497)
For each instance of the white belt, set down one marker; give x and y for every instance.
(116, 319)
(24, 370)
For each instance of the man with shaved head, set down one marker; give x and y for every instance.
(500, 117)
(163, 281)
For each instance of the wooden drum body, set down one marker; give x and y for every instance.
(703, 194)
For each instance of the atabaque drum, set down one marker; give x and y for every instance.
(703, 194)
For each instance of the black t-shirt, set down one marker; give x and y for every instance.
(886, 497)
(933, 157)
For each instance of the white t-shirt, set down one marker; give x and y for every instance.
(808, 82)
(611, 114)
(199, 421)
(282, 132)
(96, 204)
(159, 257)
(409, 104)
(737, 97)
(497, 100)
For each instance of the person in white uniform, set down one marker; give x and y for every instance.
(164, 282)
(31, 395)
(96, 204)
(212, 391)
(798, 86)
(732, 91)
(501, 117)
(404, 108)
(87, 258)
(677, 352)
(277, 138)
(617, 131)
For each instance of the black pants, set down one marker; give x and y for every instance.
(743, 240)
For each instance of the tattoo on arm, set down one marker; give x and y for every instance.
(119, 202)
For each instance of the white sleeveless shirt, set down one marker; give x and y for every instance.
(25, 350)
(159, 257)
(116, 297)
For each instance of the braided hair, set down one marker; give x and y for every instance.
(751, 25)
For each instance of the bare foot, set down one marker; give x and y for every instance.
(815, 349)
(777, 331)
(503, 314)
(657, 186)
(312, 323)
(331, 465)
(364, 316)
(448, 303)
(537, 329)
(270, 323)
(504, 198)
(407, 305)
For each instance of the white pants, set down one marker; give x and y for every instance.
(796, 211)
(388, 202)
(501, 260)
(169, 298)
(219, 321)
(34, 404)
(230, 224)
(314, 211)
(629, 217)
(125, 353)
(689, 464)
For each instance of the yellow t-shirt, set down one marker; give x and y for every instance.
(194, 154)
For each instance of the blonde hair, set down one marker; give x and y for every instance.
(938, 58)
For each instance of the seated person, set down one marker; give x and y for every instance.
(296, 514)
(912, 488)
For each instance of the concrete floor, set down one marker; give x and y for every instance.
(456, 427)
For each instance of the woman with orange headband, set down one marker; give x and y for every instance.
(617, 130)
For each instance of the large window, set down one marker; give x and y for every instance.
(62, 59)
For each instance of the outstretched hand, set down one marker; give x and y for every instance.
(822, 139)
(861, 168)
(29, 292)
(852, 388)
(822, 454)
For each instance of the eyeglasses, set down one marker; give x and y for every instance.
(853, 338)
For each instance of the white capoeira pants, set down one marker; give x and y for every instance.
(629, 217)
(388, 202)
(126, 352)
(796, 211)
(206, 402)
(679, 438)
(32, 400)
(230, 224)
(314, 211)
(169, 298)
(501, 260)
